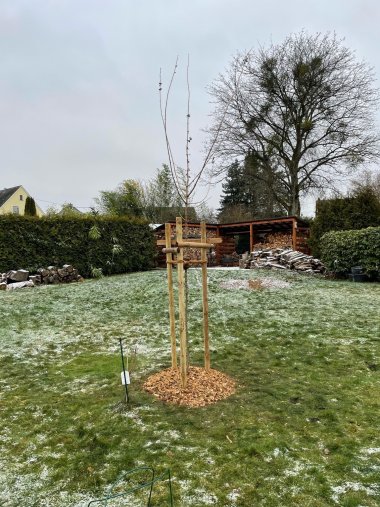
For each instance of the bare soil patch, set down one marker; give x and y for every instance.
(203, 388)
(256, 284)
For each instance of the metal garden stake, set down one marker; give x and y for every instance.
(124, 372)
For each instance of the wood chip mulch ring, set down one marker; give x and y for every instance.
(203, 388)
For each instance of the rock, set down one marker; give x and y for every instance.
(3, 285)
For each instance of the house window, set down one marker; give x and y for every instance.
(15, 210)
(21, 197)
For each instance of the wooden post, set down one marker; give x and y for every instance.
(294, 234)
(204, 298)
(182, 307)
(217, 249)
(169, 266)
(250, 238)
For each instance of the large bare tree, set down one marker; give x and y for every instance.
(304, 110)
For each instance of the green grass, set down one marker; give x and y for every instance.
(301, 430)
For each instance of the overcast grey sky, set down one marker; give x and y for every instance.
(79, 80)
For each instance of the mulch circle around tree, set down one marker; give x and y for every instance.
(203, 388)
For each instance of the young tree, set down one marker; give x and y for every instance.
(52, 210)
(69, 210)
(185, 182)
(303, 110)
(30, 207)
(206, 213)
(161, 199)
(126, 199)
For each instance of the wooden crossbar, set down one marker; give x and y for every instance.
(170, 250)
(209, 241)
(191, 261)
(193, 244)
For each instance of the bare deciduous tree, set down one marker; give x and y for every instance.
(186, 179)
(303, 110)
(367, 180)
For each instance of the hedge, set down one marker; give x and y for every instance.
(344, 214)
(123, 244)
(342, 250)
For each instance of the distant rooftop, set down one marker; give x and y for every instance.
(6, 193)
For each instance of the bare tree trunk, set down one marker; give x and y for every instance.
(295, 209)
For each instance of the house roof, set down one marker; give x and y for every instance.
(6, 193)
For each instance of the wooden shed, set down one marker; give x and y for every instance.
(243, 236)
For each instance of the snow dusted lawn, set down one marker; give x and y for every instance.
(302, 429)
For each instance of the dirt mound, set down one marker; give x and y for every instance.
(202, 387)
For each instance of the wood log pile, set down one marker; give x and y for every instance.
(276, 240)
(16, 279)
(282, 258)
(190, 233)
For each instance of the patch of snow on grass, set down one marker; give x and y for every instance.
(226, 268)
(135, 417)
(197, 496)
(298, 467)
(370, 490)
(233, 496)
(372, 450)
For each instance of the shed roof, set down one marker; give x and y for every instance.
(278, 223)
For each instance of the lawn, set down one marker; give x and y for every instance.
(302, 428)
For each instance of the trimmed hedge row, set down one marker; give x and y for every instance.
(342, 250)
(122, 244)
(344, 214)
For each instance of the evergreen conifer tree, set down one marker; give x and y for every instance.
(246, 194)
(30, 207)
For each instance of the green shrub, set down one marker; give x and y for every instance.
(342, 250)
(344, 213)
(120, 245)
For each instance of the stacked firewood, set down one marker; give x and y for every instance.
(190, 233)
(276, 240)
(66, 274)
(280, 258)
(17, 279)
